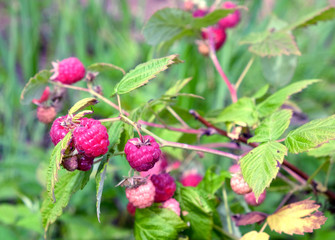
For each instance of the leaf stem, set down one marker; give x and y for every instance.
(245, 71)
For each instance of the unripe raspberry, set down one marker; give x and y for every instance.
(131, 209)
(142, 156)
(203, 48)
(59, 129)
(251, 199)
(218, 34)
(142, 196)
(68, 71)
(70, 163)
(235, 168)
(191, 180)
(91, 138)
(85, 163)
(173, 205)
(165, 186)
(232, 19)
(239, 185)
(46, 114)
(188, 5)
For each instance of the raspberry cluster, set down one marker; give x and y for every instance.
(90, 140)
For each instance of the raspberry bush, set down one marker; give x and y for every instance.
(187, 167)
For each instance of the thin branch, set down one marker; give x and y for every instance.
(156, 125)
(182, 122)
(245, 71)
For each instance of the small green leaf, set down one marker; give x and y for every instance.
(272, 127)
(144, 72)
(83, 103)
(327, 149)
(166, 24)
(272, 103)
(212, 181)
(211, 18)
(82, 180)
(104, 67)
(99, 180)
(325, 14)
(261, 92)
(114, 133)
(35, 86)
(271, 44)
(311, 135)
(262, 164)
(55, 162)
(243, 113)
(157, 223)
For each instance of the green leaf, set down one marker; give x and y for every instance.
(35, 86)
(272, 127)
(327, 149)
(261, 165)
(243, 113)
(82, 104)
(271, 44)
(167, 24)
(157, 223)
(55, 162)
(261, 92)
(211, 18)
(82, 180)
(63, 190)
(272, 103)
(311, 135)
(114, 134)
(212, 181)
(104, 67)
(144, 72)
(99, 180)
(198, 208)
(325, 14)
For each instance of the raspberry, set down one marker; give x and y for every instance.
(59, 129)
(165, 186)
(85, 163)
(173, 205)
(46, 114)
(131, 209)
(91, 138)
(44, 97)
(199, 13)
(239, 185)
(70, 163)
(232, 19)
(251, 199)
(219, 36)
(68, 71)
(142, 196)
(203, 48)
(235, 168)
(191, 180)
(159, 167)
(142, 156)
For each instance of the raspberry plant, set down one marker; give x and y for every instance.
(254, 131)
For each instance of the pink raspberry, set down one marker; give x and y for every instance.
(44, 97)
(165, 186)
(142, 196)
(251, 199)
(46, 114)
(173, 205)
(85, 163)
(91, 138)
(239, 185)
(199, 13)
(68, 71)
(59, 129)
(232, 19)
(131, 209)
(235, 168)
(159, 167)
(218, 34)
(191, 180)
(142, 156)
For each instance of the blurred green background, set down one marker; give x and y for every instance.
(36, 32)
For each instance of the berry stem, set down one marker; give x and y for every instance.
(130, 122)
(212, 54)
(110, 119)
(245, 71)
(69, 86)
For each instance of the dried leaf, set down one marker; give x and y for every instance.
(297, 218)
(249, 218)
(253, 235)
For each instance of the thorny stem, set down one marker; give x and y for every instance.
(212, 54)
(245, 71)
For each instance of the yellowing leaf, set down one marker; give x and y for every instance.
(253, 235)
(297, 218)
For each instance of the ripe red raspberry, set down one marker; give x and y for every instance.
(239, 185)
(232, 19)
(131, 209)
(251, 199)
(142, 196)
(235, 168)
(46, 114)
(85, 163)
(142, 156)
(165, 186)
(199, 13)
(68, 71)
(191, 180)
(173, 205)
(91, 138)
(59, 129)
(217, 33)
